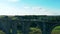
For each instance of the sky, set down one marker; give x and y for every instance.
(29, 7)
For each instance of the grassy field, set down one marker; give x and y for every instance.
(56, 30)
(33, 30)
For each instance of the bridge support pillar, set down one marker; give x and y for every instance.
(25, 27)
(46, 29)
(6, 28)
(14, 28)
(7, 31)
(43, 28)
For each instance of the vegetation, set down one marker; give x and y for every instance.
(56, 30)
(33, 30)
(1, 32)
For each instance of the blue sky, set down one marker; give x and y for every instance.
(46, 3)
(29, 7)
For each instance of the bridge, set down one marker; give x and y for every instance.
(45, 23)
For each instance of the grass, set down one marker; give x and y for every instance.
(56, 30)
(1, 32)
(35, 31)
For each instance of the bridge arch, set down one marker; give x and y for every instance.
(54, 26)
(19, 28)
(35, 28)
(27, 24)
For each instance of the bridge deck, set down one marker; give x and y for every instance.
(39, 18)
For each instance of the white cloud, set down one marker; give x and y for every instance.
(9, 10)
(23, 11)
(38, 11)
(9, 1)
(13, 0)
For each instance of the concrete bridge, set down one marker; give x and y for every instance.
(45, 23)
